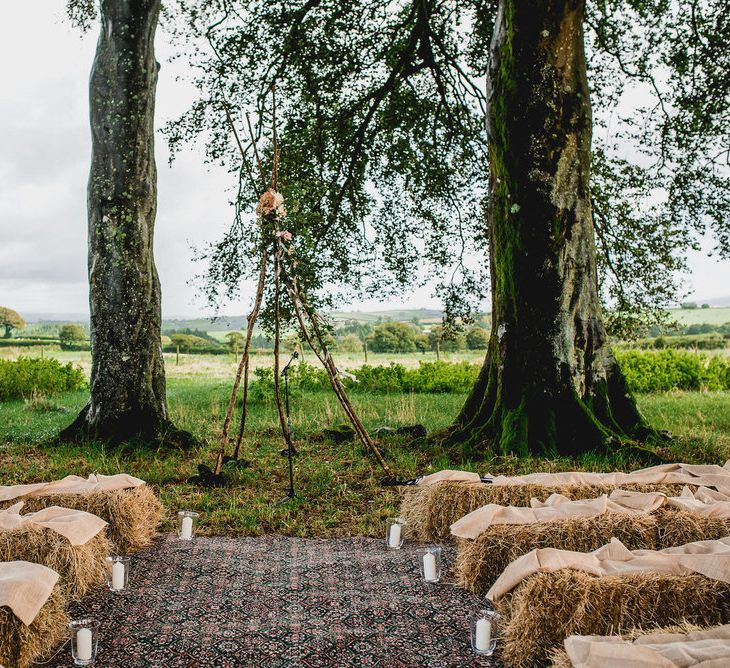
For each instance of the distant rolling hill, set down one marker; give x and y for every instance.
(715, 315)
(233, 323)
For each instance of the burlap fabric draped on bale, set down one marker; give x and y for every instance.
(32, 613)
(440, 499)
(547, 595)
(675, 647)
(130, 507)
(71, 542)
(491, 537)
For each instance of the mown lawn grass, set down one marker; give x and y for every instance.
(338, 485)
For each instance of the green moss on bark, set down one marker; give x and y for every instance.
(550, 384)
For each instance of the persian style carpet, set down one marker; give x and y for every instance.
(280, 602)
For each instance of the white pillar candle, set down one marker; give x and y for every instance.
(118, 575)
(186, 530)
(84, 638)
(394, 539)
(483, 635)
(429, 566)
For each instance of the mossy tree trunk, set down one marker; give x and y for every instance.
(128, 375)
(550, 384)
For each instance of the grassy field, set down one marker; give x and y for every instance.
(338, 485)
(698, 316)
(224, 366)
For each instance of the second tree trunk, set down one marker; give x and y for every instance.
(550, 384)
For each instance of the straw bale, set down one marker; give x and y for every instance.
(430, 510)
(80, 567)
(133, 514)
(480, 562)
(559, 657)
(21, 645)
(550, 606)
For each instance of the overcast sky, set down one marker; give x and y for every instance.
(44, 162)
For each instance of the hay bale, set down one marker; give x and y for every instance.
(429, 511)
(480, 562)
(679, 527)
(21, 645)
(133, 514)
(80, 567)
(548, 607)
(559, 657)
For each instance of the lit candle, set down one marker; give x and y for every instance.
(186, 531)
(118, 575)
(84, 638)
(483, 635)
(429, 566)
(394, 539)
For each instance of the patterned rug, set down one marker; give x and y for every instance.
(280, 602)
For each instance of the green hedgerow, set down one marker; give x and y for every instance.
(429, 377)
(29, 376)
(665, 370)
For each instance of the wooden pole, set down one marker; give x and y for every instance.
(365, 347)
(177, 355)
(242, 370)
(301, 309)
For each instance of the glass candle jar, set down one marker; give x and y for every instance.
(394, 536)
(117, 572)
(186, 521)
(484, 632)
(429, 561)
(84, 640)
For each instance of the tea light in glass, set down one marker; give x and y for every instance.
(394, 534)
(117, 572)
(84, 641)
(186, 521)
(429, 561)
(484, 632)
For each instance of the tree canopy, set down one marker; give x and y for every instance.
(10, 320)
(71, 335)
(383, 142)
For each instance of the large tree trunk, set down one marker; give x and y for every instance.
(550, 384)
(128, 375)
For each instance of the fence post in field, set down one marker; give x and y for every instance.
(177, 355)
(41, 352)
(438, 350)
(365, 348)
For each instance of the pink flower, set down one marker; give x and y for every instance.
(284, 235)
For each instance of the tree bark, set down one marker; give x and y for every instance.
(550, 384)
(128, 397)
